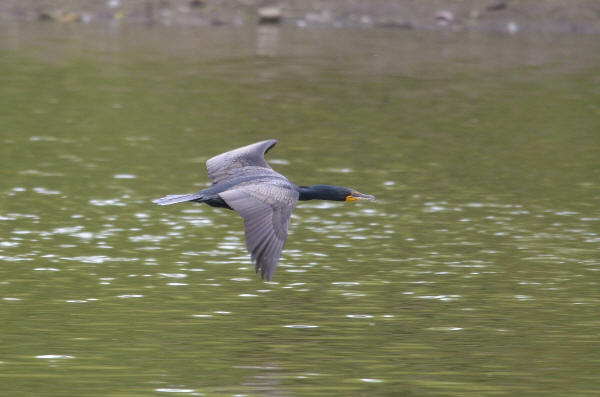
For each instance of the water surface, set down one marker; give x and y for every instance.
(474, 274)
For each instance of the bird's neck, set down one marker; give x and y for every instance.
(319, 192)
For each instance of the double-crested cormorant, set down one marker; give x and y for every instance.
(243, 181)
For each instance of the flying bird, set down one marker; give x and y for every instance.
(243, 181)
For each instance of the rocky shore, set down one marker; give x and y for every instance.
(510, 16)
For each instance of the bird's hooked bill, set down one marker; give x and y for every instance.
(359, 196)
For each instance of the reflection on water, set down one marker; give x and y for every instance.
(473, 274)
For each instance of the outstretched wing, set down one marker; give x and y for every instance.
(266, 209)
(227, 164)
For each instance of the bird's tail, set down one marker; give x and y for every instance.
(178, 198)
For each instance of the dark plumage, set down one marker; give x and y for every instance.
(244, 182)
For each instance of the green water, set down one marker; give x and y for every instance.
(476, 273)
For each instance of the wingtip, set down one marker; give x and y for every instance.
(264, 274)
(272, 142)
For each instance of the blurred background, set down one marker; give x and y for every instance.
(475, 273)
(499, 15)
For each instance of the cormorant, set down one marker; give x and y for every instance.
(243, 181)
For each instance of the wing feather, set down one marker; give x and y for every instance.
(227, 165)
(266, 208)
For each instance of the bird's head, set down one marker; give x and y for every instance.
(337, 193)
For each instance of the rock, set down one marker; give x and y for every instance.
(512, 27)
(444, 17)
(393, 24)
(113, 3)
(501, 5)
(216, 21)
(68, 16)
(86, 17)
(45, 16)
(366, 20)
(60, 16)
(269, 15)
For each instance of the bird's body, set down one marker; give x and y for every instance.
(244, 182)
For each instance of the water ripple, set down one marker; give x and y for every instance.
(444, 298)
(445, 329)
(300, 326)
(107, 202)
(174, 390)
(43, 190)
(99, 259)
(173, 275)
(147, 238)
(371, 380)
(54, 356)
